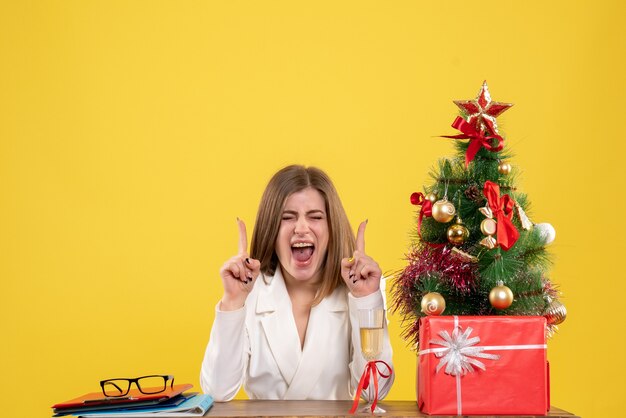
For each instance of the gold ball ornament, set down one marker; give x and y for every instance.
(457, 233)
(501, 297)
(433, 304)
(504, 168)
(555, 313)
(432, 197)
(443, 211)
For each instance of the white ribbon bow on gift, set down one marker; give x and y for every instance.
(459, 354)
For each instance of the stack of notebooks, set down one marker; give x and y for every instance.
(172, 402)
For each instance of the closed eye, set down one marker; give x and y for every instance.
(316, 214)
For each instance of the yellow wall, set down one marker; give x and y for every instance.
(132, 134)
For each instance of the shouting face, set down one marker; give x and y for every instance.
(303, 236)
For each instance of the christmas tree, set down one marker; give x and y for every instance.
(475, 251)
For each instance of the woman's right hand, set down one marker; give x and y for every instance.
(238, 274)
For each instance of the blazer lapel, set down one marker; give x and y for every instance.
(328, 315)
(274, 307)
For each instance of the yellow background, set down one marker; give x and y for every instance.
(132, 134)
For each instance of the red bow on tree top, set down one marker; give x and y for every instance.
(477, 139)
(502, 208)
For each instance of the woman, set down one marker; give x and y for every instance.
(294, 333)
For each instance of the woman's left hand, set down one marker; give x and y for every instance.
(360, 272)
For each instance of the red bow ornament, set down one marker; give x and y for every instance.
(502, 208)
(418, 199)
(477, 139)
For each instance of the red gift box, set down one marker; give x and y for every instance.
(483, 365)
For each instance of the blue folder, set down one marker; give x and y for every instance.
(195, 406)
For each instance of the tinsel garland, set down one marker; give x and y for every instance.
(407, 290)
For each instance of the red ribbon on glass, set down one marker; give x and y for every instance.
(374, 371)
(477, 139)
(418, 199)
(502, 208)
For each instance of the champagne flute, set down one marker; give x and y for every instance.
(371, 327)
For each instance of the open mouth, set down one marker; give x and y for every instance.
(302, 251)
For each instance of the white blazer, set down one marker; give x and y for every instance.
(258, 345)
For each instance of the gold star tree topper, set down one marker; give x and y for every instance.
(482, 112)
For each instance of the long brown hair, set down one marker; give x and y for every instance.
(341, 243)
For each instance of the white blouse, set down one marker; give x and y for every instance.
(258, 345)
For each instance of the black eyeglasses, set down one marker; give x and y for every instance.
(150, 384)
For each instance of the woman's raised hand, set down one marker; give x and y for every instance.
(238, 274)
(360, 272)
